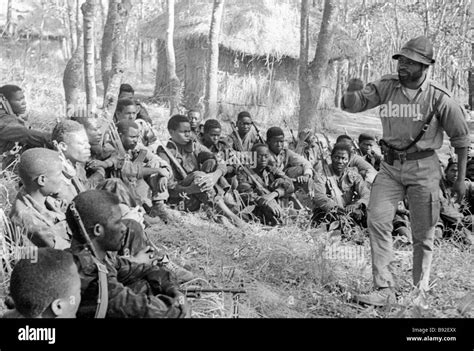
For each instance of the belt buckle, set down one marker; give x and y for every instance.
(402, 156)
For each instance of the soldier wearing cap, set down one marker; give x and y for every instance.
(411, 134)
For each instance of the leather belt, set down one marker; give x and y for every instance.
(393, 155)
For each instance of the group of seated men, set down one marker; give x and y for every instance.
(92, 186)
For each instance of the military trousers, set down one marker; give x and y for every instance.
(418, 180)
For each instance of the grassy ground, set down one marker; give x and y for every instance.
(289, 271)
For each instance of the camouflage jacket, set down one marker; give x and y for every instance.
(353, 188)
(45, 224)
(134, 290)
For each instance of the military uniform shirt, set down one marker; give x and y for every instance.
(403, 118)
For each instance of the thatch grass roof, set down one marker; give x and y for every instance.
(258, 28)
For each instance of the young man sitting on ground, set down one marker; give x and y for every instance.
(36, 208)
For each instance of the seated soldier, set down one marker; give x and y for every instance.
(126, 289)
(127, 92)
(70, 139)
(342, 192)
(365, 168)
(127, 110)
(142, 170)
(189, 187)
(103, 155)
(308, 146)
(366, 144)
(45, 287)
(246, 136)
(455, 217)
(36, 208)
(194, 117)
(293, 165)
(15, 135)
(263, 185)
(211, 138)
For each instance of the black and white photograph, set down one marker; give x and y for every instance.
(237, 159)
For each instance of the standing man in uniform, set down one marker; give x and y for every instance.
(414, 111)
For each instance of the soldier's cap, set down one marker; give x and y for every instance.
(365, 136)
(243, 114)
(274, 132)
(211, 124)
(418, 49)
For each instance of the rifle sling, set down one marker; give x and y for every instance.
(422, 132)
(103, 298)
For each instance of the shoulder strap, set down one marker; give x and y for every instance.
(103, 299)
(425, 127)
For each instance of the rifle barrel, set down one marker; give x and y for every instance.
(209, 290)
(77, 218)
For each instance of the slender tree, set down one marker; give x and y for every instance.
(88, 10)
(71, 15)
(173, 80)
(213, 60)
(107, 41)
(312, 74)
(115, 75)
(73, 76)
(471, 71)
(9, 28)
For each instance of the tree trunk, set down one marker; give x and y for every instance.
(78, 22)
(72, 79)
(173, 80)
(9, 28)
(118, 63)
(213, 60)
(71, 13)
(337, 95)
(471, 70)
(107, 42)
(312, 75)
(161, 70)
(88, 10)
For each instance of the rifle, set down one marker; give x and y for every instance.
(329, 143)
(5, 105)
(295, 141)
(240, 145)
(258, 133)
(330, 181)
(354, 143)
(174, 162)
(103, 299)
(182, 172)
(195, 292)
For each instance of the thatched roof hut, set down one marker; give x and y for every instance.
(259, 40)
